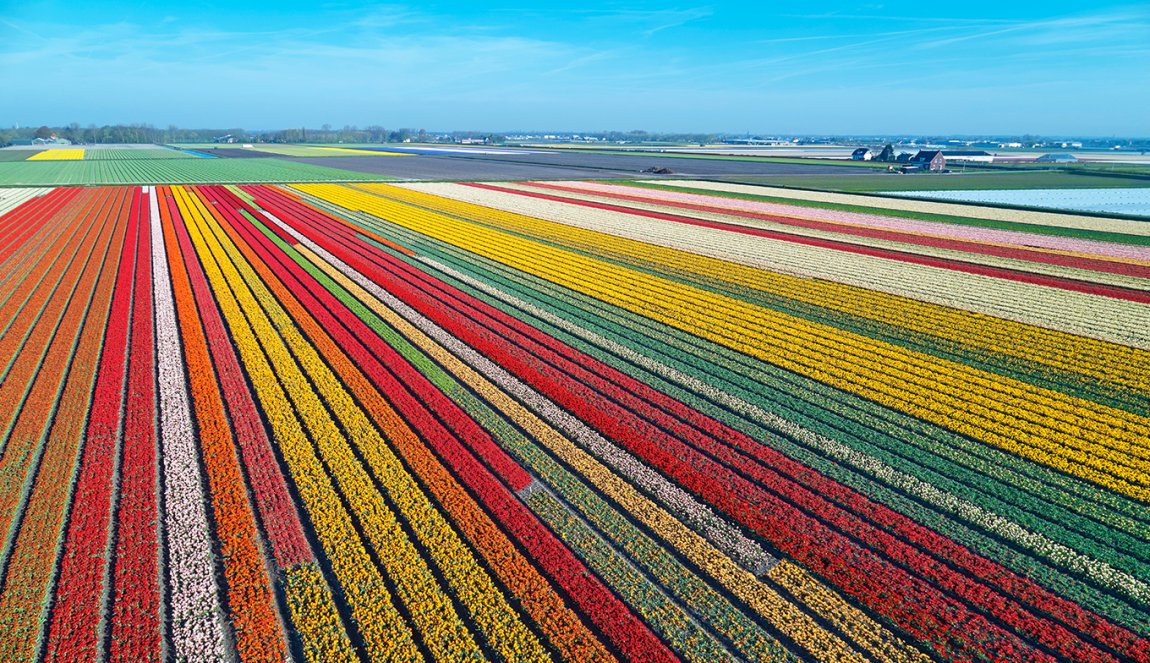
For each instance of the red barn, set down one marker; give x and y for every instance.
(932, 160)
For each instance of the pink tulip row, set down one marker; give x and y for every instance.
(975, 233)
(196, 616)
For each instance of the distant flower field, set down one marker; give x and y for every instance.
(565, 421)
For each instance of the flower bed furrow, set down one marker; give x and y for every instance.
(623, 427)
(250, 595)
(979, 341)
(309, 599)
(723, 405)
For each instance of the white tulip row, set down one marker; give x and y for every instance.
(10, 199)
(196, 615)
(952, 209)
(1104, 318)
(700, 517)
(1042, 546)
(1019, 264)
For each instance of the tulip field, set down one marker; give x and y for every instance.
(567, 420)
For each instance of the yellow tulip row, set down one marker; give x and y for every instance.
(429, 605)
(1095, 442)
(793, 622)
(313, 612)
(1100, 360)
(384, 631)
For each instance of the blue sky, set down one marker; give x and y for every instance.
(976, 66)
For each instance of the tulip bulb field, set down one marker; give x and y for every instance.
(567, 420)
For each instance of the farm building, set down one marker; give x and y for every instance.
(981, 156)
(932, 160)
(1057, 157)
(862, 154)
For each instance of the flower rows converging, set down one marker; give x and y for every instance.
(565, 421)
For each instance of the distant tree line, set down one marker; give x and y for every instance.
(348, 134)
(114, 133)
(641, 136)
(147, 133)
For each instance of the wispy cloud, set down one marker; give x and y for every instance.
(702, 64)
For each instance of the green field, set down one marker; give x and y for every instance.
(977, 180)
(171, 171)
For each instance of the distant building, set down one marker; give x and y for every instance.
(1057, 157)
(932, 160)
(862, 154)
(968, 155)
(903, 157)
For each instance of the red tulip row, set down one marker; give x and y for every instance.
(73, 631)
(28, 220)
(1117, 292)
(982, 248)
(391, 372)
(136, 600)
(721, 485)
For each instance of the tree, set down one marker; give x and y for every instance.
(44, 133)
(887, 154)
